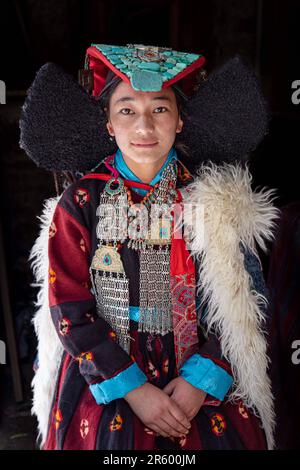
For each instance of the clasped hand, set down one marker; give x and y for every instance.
(167, 412)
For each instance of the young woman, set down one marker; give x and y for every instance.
(152, 348)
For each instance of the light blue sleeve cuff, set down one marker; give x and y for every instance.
(118, 386)
(203, 373)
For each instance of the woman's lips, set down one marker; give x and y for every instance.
(145, 145)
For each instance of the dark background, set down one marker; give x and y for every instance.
(34, 32)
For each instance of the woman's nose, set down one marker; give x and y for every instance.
(145, 124)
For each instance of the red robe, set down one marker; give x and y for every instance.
(92, 354)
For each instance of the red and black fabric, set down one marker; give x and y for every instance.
(76, 421)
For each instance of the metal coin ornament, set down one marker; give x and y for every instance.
(106, 258)
(154, 257)
(110, 283)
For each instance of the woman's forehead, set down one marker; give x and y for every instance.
(125, 92)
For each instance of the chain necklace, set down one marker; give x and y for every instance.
(110, 282)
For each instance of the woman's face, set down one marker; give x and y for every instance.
(137, 118)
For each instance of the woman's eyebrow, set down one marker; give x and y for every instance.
(130, 98)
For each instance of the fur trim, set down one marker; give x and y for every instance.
(234, 214)
(50, 349)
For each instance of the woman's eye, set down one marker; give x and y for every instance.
(129, 111)
(125, 109)
(161, 107)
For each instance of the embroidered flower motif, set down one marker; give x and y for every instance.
(90, 316)
(218, 424)
(184, 295)
(86, 285)
(165, 366)
(116, 423)
(84, 428)
(243, 411)
(52, 276)
(82, 245)
(87, 356)
(152, 371)
(57, 418)
(82, 196)
(64, 326)
(52, 230)
(112, 335)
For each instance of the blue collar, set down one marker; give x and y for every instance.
(126, 172)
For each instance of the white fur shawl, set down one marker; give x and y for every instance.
(50, 349)
(233, 213)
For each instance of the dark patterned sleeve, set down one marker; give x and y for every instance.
(89, 339)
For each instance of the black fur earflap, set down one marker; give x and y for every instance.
(63, 128)
(227, 116)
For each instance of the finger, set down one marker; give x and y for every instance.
(178, 414)
(177, 425)
(168, 389)
(159, 430)
(169, 428)
(150, 431)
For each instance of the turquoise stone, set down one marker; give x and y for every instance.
(146, 80)
(118, 61)
(180, 65)
(102, 47)
(172, 72)
(171, 61)
(115, 61)
(167, 76)
(117, 49)
(193, 57)
(149, 66)
(107, 260)
(168, 65)
(185, 61)
(176, 71)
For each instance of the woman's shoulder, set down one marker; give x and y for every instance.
(84, 186)
(81, 198)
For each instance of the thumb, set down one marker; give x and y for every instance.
(168, 389)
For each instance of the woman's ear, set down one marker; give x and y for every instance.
(110, 128)
(179, 125)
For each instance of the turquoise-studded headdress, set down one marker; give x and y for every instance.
(145, 68)
(63, 126)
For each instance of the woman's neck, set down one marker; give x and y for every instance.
(147, 171)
